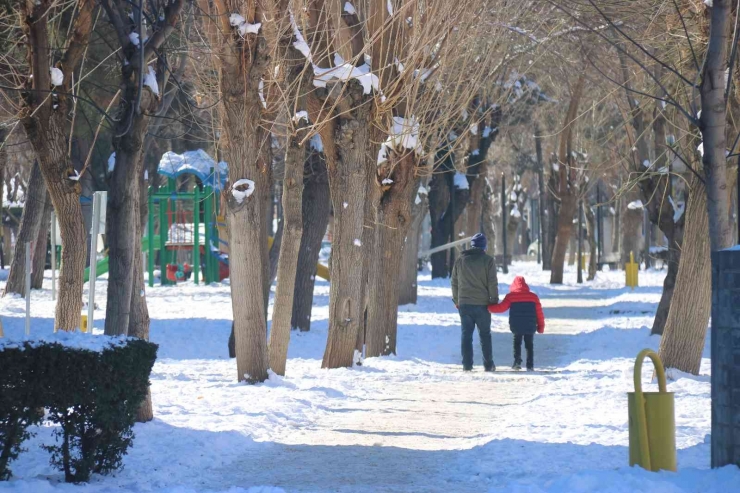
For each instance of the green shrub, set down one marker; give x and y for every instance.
(91, 387)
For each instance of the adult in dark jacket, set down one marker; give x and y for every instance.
(474, 287)
(525, 318)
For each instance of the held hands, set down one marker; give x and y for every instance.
(490, 307)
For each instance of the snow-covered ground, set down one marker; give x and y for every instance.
(414, 422)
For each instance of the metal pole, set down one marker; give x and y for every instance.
(28, 289)
(505, 269)
(150, 241)
(93, 262)
(53, 256)
(196, 234)
(580, 242)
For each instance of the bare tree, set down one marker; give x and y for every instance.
(140, 97)
(48, 103)
(33, 211)
(567, 188)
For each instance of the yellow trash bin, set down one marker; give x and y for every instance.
(83, 323)
(631, 270)
(652, 425)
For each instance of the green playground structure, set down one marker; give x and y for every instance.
(102, 264)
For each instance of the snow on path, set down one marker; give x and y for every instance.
(414, 422)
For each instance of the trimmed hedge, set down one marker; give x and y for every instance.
(91, 386)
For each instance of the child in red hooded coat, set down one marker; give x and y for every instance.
(525, 318)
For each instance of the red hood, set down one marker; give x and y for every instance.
(519, 285)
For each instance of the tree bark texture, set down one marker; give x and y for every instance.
(685, 331)
(567, 188)
(488, 216)
(542, 207)
(392, 209)
(122, 222)
(3, 166)
(591, 237)
(713, 122)
(289, 252)
(46, 122)
(348, 184)
(631, 234)
(408, 289)
(42, 242)
(439, 198)
(138, 321)
(276, 247)
(33, 212)
(316, 208)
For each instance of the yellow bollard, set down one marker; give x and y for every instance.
(652, 426)
(83, 323)
(630, 272)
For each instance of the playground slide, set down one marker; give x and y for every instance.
(102, 265)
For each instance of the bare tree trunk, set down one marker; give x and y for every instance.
(631, 234)
(122, 221)
(488, 216)
(567, 187)
(316, 208)
(289, 253)
(392, 209)
(46, 121)
(565, 231)
(138, 321)
(439, 198)
(682, 343)
(42, 242)
(591, 231)
(713, 122)
(33, 212)
(410, 263)
(474, 210)
(572, 250)
(669, 283)
(348, 185)
(276, 247)
(3, 166)
(543, 207)
(247, 229)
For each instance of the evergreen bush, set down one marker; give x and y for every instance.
(91, 386)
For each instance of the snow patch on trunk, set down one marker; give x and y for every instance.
(57, 76)
(150, 81)
(241, 189)
(461, 182)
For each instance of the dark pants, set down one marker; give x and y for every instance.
(528, 344)
(472, 316)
